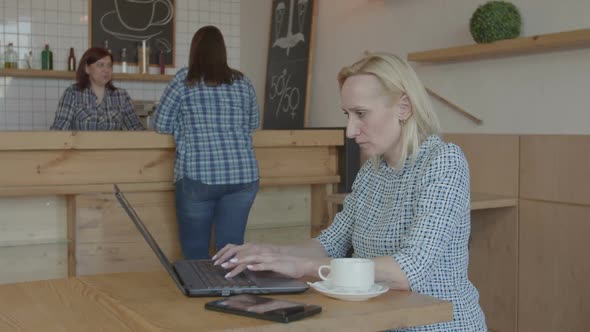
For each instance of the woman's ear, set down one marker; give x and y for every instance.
(405, 107)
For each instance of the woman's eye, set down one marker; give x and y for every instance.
(346, 113)
(360, 114)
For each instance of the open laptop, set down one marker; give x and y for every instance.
(202, 278)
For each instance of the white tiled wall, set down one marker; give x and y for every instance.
(30, 104)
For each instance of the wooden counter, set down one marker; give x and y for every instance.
(151, 302)
(59, 213)
(40, 163)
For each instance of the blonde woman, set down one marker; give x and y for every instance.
(409, 209)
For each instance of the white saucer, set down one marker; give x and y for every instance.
(343, 294)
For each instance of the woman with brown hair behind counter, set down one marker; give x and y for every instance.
(93, 102)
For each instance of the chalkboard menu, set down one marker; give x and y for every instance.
(289, 62)
(126, 23)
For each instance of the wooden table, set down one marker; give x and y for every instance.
(151, 302)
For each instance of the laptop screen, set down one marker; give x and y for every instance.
(148, 237)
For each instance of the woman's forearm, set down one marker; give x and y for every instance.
(388, 271)
(312, 253)
(310, 248)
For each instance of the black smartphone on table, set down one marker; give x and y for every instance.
(264, 308)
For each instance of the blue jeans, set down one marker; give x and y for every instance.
(199, 206)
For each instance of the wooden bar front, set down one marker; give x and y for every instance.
(63, 218)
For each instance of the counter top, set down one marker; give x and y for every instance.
(64, 162)
(91, 140)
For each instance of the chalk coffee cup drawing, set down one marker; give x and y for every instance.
(160, 13)
(349, 273)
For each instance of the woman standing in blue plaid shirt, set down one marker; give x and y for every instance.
(212, 111)
(93, 102)
(409, 209)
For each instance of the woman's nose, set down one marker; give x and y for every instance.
(352, 129)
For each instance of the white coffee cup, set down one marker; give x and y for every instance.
(349, 273)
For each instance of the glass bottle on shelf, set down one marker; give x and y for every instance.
(72, 60)
(143, 57)
(46, 58)
(10, 57)
(162, 62)
(29, 60)
(106, 46)
(124, 60)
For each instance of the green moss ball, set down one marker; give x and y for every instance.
(495, 20)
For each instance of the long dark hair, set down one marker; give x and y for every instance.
(208, 59)
(89, 57)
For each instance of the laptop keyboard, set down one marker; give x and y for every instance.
(214, 276)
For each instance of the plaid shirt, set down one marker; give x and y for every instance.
(80, 110)
(212, 127)
(420, 215)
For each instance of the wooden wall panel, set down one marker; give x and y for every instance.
(108, 241)
(33, 262)
(493, 265)
(280, 215)
(279, 235)
(554, 269)
(297, 161)
(323, 211)
(113, 257)
(556, 168)
(33, 240)
(32, 220)
(493, 161)
(281, 207)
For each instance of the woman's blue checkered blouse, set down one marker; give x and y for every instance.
(419, 215)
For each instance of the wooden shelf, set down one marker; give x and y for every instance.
(482, 201)
(534, 44)
(62, 74)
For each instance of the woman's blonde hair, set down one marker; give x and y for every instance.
(398, 78)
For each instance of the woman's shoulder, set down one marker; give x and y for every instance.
(441, 155)
(73, 88)
(242, 79)
(181, 73)
(73, 91)
(435, 147)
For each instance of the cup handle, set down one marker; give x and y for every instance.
(320, 271)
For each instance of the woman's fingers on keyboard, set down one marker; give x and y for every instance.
(224, 254)
(237, 270)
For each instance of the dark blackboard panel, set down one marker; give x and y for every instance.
(285, 102)
(125, 23)
(285, 95)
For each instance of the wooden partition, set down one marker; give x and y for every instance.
(83, 230)
(554, 269)
(494, 163)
